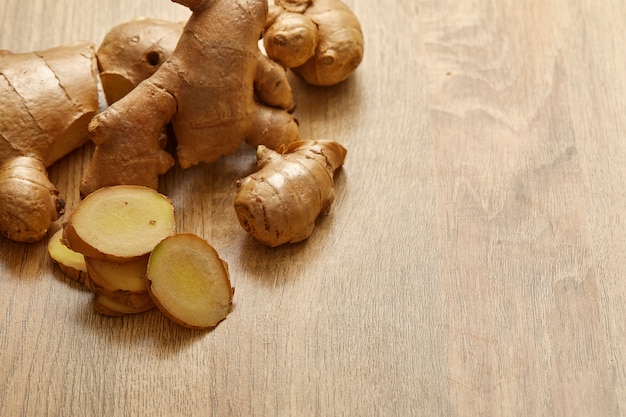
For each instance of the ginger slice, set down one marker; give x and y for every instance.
(123, 281)
(69, 262)
(189, 282)
(119, 223)
(109, 306)
(127, 276)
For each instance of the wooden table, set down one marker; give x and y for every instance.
(472, 264)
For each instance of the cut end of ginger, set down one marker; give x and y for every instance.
(189, 282)
(119, 222)
(71, 263)
(124, 282)
(109, 306)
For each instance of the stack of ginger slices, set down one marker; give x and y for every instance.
(120, 242)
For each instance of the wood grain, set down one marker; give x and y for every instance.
(471, 265)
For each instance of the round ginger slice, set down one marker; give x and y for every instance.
(125, 282)
(126, 276)
(189, 282)
(71, 263)
(119, 223)
(109, 306)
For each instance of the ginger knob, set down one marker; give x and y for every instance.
(29, 200)
(281, 201)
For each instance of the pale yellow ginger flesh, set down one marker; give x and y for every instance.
(119, 223)
(280, 202)
(125, 282)
(48, 98)
(125, 276)
(111, 307)
(320, 40)
(71, 263)
(189, 282)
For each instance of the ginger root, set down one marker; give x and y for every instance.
(281, 201)
(132, 51)
(217, 89)
(320, 40)
(48, 98)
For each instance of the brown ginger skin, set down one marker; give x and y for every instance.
(29, 201)
(217, 89)
(132, 51)
(320, 40)
(48, 98)
(280, 202)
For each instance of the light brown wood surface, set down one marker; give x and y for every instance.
(472, 264)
